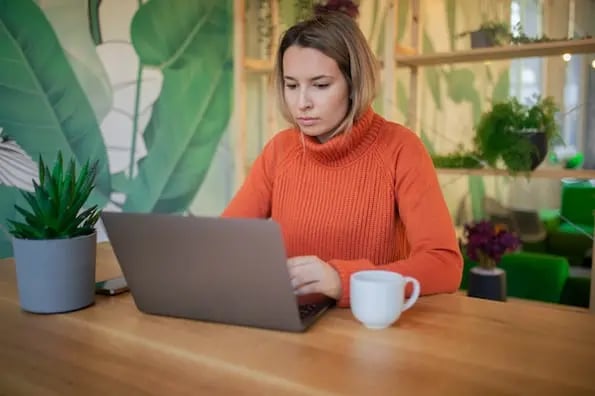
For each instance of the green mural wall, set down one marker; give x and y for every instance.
(144, 87)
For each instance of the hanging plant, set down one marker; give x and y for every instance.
(517, 133)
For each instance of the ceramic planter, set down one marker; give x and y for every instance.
(56, 275)
(488, 284)
(481, 39)
(539, 144)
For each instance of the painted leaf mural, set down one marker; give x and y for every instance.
(69, 19)
(461, 87)
(9, 197)
(135, 91)
(170, 35)
(502, 87)
(42, 105)
(191, 43)
(17, 169)
(431, 73)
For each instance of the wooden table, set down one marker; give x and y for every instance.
(445, 345)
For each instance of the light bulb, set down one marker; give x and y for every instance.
(566, 57)
(593, 63)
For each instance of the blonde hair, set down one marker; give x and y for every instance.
(337, 36)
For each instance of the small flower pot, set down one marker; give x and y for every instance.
(489, 284)
(482, 39)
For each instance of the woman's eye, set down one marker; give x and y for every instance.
(321, 86)
(290, 86)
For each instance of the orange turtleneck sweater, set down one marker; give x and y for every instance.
(366, 199)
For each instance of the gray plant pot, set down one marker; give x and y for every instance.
(488, 284)
(481, 39)
(56, 275)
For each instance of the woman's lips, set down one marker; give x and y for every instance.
(307, 121)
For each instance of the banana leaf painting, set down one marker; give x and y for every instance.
(144, 87)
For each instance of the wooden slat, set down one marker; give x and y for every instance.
(413, 120)
(541, 173)
(388, 73)
(239, 83)
(498, 53)
(258, 65)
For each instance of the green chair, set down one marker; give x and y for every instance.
(533, 276)
(576, 292)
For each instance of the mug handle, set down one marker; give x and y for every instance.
(414, 295)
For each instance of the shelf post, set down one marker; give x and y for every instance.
(238, 129)
(389, 91)
(413, 116)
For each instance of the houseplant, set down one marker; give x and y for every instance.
(460, 158)
(486, 242)
(55, 243)
(518, 134)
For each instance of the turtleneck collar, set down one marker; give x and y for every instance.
(345, 147)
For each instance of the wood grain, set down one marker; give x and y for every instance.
(546, 173)
(446, 344)
(582, 46)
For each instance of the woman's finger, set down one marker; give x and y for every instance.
(308, 288)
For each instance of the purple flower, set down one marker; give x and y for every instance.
(346, 6)
(487, 243)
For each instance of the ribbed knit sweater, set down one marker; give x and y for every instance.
(365, 199)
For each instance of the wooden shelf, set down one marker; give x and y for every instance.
(546, 173)
(499, 53)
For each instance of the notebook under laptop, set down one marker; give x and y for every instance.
(213, 269)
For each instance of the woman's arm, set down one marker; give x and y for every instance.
(253, 199)
(434, 256)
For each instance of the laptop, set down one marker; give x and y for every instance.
(212, 269)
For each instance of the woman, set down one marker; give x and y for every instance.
(351, 190)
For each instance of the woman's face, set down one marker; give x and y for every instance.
(315, 91)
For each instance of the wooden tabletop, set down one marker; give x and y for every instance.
(445, 345)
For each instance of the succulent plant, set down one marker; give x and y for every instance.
(56, 203)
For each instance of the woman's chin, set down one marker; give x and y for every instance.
(321, 134)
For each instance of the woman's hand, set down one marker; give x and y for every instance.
(309, 274)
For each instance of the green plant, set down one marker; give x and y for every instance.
(457, 159)
(498, 31)
(520, 37)
(56, 203)
(504, 132)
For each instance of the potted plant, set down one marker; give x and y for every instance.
(489, 34)
(55, 243)
(518, 134)
(485, 244)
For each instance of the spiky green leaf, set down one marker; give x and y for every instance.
(57, 202)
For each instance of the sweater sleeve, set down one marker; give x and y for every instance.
(253, 199)
(435, 259)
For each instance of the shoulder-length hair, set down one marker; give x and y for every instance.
(337, 36)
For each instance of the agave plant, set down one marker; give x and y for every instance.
(56, 203)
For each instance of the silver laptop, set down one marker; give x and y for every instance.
(206, 268)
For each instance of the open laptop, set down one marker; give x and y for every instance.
(213, 269)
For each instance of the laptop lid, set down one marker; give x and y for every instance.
(214, 269)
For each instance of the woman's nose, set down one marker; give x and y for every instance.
(304, 101)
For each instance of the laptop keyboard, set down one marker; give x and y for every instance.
(308, 309)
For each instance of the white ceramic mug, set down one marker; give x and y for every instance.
(378, 297)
